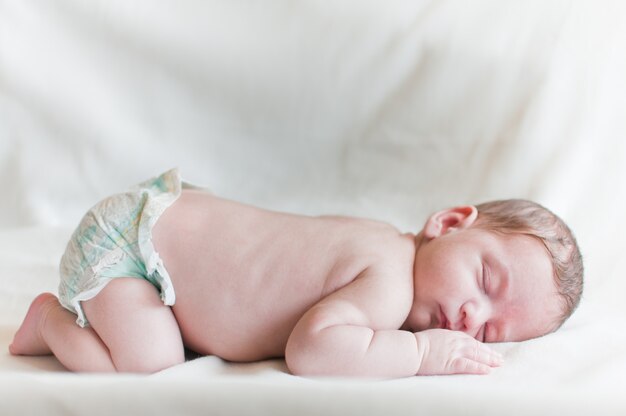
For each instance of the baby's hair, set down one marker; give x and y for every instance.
(519, 216)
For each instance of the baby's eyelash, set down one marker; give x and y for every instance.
(484, 282)
(485, 279)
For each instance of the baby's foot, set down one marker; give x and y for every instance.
(28, 339)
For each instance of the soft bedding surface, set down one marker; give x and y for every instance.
(388, 110)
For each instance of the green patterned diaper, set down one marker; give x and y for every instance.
(114, 239)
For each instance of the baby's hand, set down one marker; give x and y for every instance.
(454, 352)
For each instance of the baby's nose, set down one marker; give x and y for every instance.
(473, 316)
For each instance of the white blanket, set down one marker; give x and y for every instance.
(388, 110)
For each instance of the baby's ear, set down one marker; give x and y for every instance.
(450, 220)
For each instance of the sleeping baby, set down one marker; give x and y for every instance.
(168, 266)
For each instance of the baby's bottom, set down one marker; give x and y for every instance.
(131, 331)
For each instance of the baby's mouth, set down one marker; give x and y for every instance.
(443, 321)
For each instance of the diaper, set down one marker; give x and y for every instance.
(114, 239)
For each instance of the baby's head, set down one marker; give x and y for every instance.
(519, 216)
(501, 271)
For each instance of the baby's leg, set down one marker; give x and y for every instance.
(131, 330)
(139, 331)
(49, 328)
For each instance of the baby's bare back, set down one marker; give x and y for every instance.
(244, 276)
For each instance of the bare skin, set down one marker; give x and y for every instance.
(334, 295)
(28, 340)
(49, 328)
(228, 300)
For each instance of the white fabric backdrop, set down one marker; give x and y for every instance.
(385, 109)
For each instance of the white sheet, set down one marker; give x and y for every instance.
(354, 107)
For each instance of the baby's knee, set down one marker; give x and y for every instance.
(150, 362)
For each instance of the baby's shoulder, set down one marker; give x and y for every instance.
(382, 243)
(384, 235)
(374, 228)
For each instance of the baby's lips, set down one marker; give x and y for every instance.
(443, 320)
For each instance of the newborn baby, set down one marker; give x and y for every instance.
(167, 266)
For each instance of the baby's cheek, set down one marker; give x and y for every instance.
(422, 320)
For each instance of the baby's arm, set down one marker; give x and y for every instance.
(351, 333)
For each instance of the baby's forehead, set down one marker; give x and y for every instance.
(510, 241)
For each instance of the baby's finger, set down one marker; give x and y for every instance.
(486, 355)
(463, 365)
